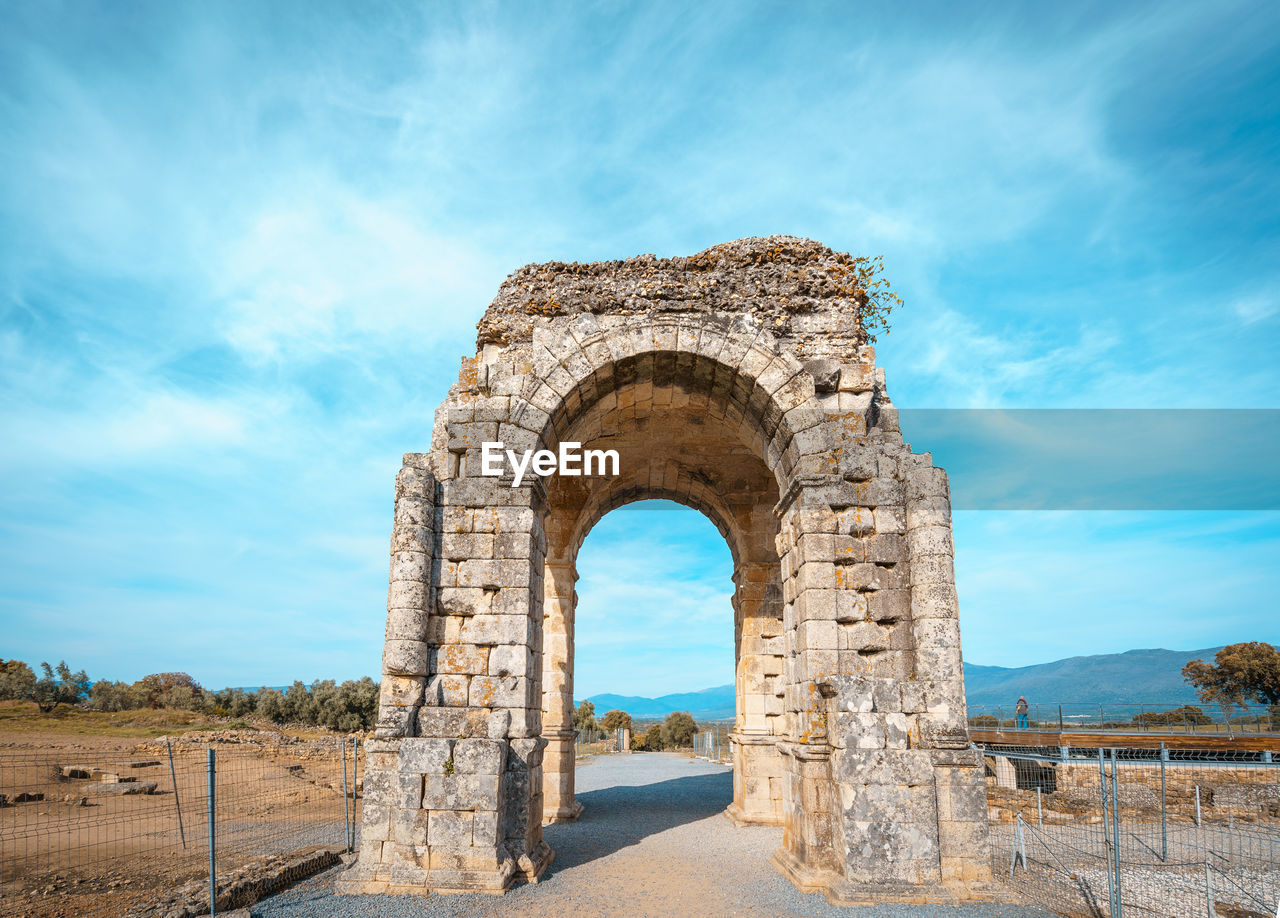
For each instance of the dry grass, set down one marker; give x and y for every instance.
(18, 718)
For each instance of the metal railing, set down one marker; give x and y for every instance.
(1170, 718)
(1151, 832)
(111, 833)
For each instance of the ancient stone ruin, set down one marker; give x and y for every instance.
(738, 382)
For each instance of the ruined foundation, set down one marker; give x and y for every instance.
(738, 382)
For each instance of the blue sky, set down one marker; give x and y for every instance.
(245, 245)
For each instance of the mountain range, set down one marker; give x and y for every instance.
(1135, 676)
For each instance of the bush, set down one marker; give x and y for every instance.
(653, 740)
(678, 729)
(17, 681)
(1187, 714)
(106, 695)
(617, 720)
(584, 718)
(60, 686)
(153, 690)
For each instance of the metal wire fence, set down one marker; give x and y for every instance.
(1172, 718)
(712, 743)
(1150, 832)
(117, 834)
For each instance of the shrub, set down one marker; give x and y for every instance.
(653, 740)
(617, 720)
(17, 680)
(152, 690)
(106, 695)
(60, 686)
(678, 729)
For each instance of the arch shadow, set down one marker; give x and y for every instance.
(623, 815)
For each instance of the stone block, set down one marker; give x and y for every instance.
(402, 690)
(447, 691)
(928, 511)
(927, 482)
(931, 569)
(479, 756)
(934, 600)
(462, 546)
(851, 606)
(450, 829)
(409, 827)
(408, 791)
(913, 697)
(461, 659)
(889, 605)
(863, 576)
(460, 792)
(931, 540)
(405, 658)
(425, 755)
(497, 629)
(407, 625)
(510, 660)
(409, 594)
(500, 691)
(395, 721)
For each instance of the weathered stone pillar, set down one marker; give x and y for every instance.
(405, 665)
(559, 603)
(939, 681)
(757, 763)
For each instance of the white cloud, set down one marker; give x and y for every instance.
(327, 267)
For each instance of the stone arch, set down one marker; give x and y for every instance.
(751, 362)
(677, 406)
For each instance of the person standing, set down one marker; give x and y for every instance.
(1022, 712)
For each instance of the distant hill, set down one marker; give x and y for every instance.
(709, 704)
(1138, 676)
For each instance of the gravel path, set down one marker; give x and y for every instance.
(652, 841)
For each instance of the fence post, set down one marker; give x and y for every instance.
(355, 788)
(1039, 809)
(1019, 847)
(1197, 806)
(1211, 911)
(346, 815)
(1115, 828)
(1164, 820)
(177, 802)
(1106, 842)
(1060, 728)
(213, 876)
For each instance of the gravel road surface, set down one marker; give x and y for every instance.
(652, 841)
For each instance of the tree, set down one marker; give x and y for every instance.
(156, 690)
(617, 720)
(653, 738)
(1187, 714)
(16, 680)
(60, 686)
(678, 729)
(1239, 674)
(106, 695)
(584, 717)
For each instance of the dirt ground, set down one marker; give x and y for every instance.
(72, 850)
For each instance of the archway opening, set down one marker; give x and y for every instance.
(654, 619)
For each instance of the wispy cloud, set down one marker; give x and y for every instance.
(246, 245)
